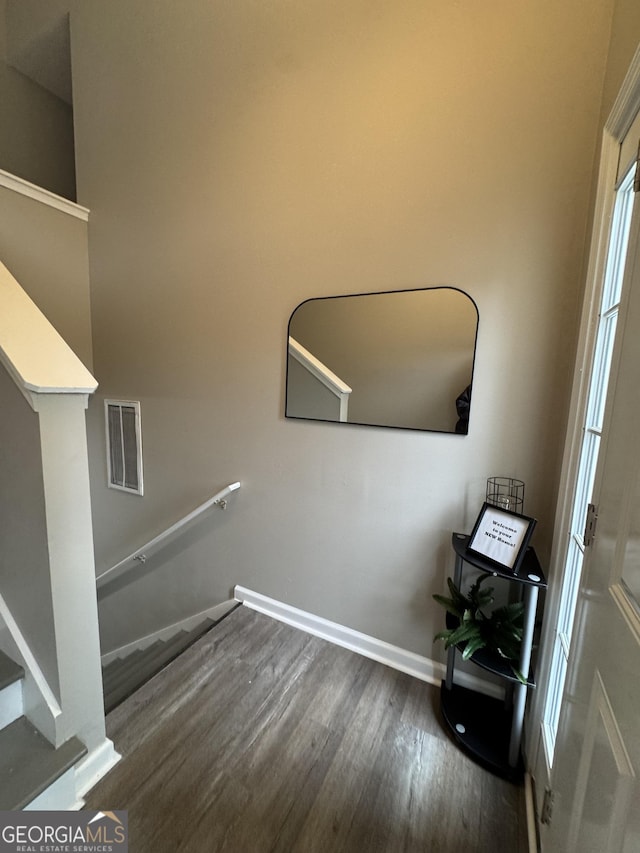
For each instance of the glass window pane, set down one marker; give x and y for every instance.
(601, 370)
(619, 241)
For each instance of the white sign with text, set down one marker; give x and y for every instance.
(499, 536)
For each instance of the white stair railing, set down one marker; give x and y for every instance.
(54, 630)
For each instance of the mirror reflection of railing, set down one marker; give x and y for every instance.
(408, 355)
(307, 383)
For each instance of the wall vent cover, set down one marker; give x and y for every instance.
(124, 445)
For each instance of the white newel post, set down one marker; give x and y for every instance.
(71, 563)
(57, 386)
(65, 471)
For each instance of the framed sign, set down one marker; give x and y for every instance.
(501, 536)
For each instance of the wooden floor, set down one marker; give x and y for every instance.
(263, 738)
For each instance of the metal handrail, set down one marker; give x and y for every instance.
(140, 554)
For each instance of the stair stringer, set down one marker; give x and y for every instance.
(213, 613)
(41, 706)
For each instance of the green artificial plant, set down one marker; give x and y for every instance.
(500, 631)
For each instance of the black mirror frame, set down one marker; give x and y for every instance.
(463, 402)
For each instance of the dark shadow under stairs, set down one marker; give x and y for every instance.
(123, 676)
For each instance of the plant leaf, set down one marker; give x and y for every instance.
(472, 646)
(519, 675)
(500, 631)
(464, 632)
(449, 605)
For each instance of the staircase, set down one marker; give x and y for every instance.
(123, 676)
(29, 764)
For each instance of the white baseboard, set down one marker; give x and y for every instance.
(405, 661)
(166, 633)
(93, 767)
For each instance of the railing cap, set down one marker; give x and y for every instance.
(35, 355)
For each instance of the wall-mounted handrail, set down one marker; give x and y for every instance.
(140, 554)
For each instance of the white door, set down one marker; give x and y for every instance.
(589, 447)
(596, 768)
(609, 255)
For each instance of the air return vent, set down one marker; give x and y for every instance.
(124, 445)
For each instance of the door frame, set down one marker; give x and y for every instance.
(621, 117)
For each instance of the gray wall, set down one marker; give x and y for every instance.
(36, 127)
(239, 158)
(47, 252)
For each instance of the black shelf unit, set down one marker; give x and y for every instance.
(492, 662)
(488, 729)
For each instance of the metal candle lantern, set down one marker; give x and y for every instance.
(506, 493)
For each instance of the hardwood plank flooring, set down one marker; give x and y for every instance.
(263, 739)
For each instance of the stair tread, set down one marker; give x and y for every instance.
(29, 763)
(9, 671)
(117, 664)
(130, 666)
(136, 660)
(154, 659)
(167, 647)
(120, 682)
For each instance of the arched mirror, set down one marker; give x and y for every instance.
(400, 359)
